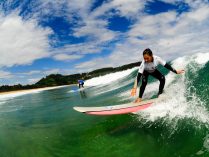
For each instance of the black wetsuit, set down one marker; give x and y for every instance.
(153, 72)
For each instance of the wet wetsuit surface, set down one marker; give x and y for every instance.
(147, 69)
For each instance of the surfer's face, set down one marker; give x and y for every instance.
(147, 58)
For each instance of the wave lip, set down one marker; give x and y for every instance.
(179, 102)
(106, 79)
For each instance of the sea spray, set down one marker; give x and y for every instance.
(180, 104)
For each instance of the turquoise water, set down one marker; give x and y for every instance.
(44, 124)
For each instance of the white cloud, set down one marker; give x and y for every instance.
(43, 8)
(92, 65)
(168, 34)
(95, 30)
(5, 74)
(32, 80)
(66, 57)
(128, 8)
(200, 14)
(90, 24)
(152, 25)
(76, 51)
(33, 72)
(171, 35)
(22, 42)
(123, 54)
(30, 77)
(51, 71)
(196, 3)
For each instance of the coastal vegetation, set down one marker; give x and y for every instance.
(58, 79)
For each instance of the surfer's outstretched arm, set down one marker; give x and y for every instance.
(169, 67)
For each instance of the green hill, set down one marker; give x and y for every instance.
(58, 79)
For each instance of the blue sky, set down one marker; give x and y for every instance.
(41, 37)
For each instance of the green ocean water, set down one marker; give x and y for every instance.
(44, 124)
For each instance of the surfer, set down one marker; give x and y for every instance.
(148, 67)
(80, 83)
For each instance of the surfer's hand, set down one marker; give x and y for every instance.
(179, 71)
(133, 92)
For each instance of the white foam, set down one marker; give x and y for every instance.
(18, 93)
(72, 91)
(202, 58)
(175, 106)
(24, 92)
(101, 80)
(181, 62)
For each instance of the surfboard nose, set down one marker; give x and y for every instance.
(79, 109)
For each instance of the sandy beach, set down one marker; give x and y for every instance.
(27, 91)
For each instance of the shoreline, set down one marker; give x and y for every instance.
(33, 90)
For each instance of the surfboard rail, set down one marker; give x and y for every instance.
(116, 109)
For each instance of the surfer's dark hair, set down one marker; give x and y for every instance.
(147, 52)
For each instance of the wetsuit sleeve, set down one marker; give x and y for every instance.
(170, 68)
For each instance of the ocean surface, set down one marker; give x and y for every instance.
(44, 124)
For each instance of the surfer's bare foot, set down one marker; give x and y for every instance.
(138, 100)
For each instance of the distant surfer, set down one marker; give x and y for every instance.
(148, 67)
(81, 83)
